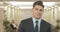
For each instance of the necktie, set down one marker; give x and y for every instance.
(36, 27)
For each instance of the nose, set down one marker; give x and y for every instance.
(38, 11)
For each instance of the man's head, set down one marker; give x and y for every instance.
(38, 9)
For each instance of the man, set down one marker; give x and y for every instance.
(35, 23)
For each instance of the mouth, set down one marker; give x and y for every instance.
(38, 14)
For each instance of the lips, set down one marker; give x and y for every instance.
(39, 14)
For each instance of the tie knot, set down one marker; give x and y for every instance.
(36, 22)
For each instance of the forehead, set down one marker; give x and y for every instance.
(38, 6)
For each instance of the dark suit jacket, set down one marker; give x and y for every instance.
(27, 26)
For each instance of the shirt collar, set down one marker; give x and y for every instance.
(39, 20)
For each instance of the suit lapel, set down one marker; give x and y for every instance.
(31, 25)
(41, 26)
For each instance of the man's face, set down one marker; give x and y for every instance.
(38, 11)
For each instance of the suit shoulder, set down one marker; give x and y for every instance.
(45, 22)
(26, 20)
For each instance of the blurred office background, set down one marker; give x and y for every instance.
(18, 10)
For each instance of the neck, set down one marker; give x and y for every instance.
(37, 18)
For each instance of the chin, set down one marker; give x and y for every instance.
(38, 17)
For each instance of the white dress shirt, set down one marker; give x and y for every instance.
(34, 23)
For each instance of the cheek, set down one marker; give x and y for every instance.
(34, 12)
(41, 12)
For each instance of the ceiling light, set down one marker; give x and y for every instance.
(25, 7)
(56, 6)
(28, 5)
(49, 3)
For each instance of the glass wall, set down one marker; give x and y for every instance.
(12, 13)
(52, 15)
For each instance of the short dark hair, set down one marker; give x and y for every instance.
(38, 3)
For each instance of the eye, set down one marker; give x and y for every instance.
(36, 9)
(41, 10)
